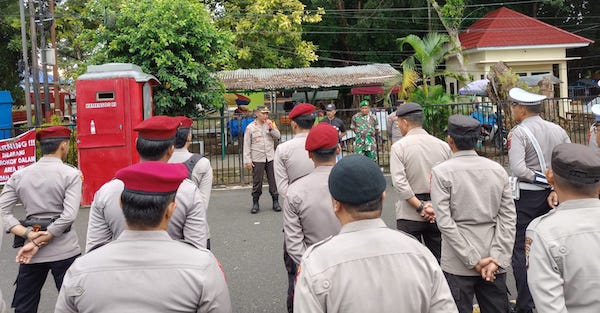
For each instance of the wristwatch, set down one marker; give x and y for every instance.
(421, 207)
(26, 233)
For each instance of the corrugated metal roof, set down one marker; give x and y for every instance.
(310, 77)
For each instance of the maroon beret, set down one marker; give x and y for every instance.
(153, 177)
(184, 121)
(53, 132)
(301, 109)
(321, 136)
(158, 127)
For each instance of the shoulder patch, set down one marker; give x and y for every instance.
(528, 242)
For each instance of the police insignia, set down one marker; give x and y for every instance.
(508, 140)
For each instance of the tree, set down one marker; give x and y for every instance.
(268, 33)
(175, 40)
(429, 52)
(10, 49)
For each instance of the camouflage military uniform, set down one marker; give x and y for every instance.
(365, 129)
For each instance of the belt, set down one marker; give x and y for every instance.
(529, 186)
(423, 196)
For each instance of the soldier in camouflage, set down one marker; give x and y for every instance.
(364, 124)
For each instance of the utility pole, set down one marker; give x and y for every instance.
(43, 46)
(55, 65)
(34, 65)
(25, 62)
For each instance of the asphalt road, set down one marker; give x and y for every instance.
(248, 246)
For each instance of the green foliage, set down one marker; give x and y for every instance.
(435, 108)
(175, 40)
(10, 49)
(268, 33)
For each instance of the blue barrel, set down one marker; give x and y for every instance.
(6, 122)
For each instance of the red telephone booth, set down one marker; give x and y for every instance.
(111, 100)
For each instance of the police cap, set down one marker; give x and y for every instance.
(301, 109)
(53, 132)
(461, 125)
(523, 97)
(330, 107)
(153, 177)
(322, 136)
(576, 163)
(159, 127)
(356, 179)
(409, 108)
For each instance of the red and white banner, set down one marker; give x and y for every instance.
(16, 153)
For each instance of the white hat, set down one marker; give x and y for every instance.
(524, 97)
(596, 109)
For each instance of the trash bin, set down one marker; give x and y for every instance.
(6, 123)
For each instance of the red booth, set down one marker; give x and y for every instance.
(111, 100)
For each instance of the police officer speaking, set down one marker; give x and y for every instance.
(530, 145)
(564, 245)
(145, 270)
(50, 192)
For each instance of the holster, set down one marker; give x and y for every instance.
(38, 224)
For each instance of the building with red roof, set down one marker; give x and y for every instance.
(527, 45)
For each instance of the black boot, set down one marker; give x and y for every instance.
(255, 206)
(276, 206)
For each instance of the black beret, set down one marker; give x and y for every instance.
(356, 179)
(409, 108)
(462, 125)
(576, 163)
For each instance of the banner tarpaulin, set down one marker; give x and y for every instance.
(16, 153)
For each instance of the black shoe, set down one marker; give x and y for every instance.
(276, 206)
(255, 207)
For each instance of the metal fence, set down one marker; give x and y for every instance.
(220, 138)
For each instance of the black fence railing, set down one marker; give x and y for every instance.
(220, 138)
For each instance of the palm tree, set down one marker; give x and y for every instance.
(429, 52)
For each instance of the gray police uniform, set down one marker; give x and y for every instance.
(476, 215)
(47, 189)
(291, 162)
(532, 203)
(563, 251)
(393, 130)
(259, 149)
(593, 142)
(3, 307)
(202, 174)
(145, 271)
(106, 221)
(308, 213)
(371, 268)
(411, 160)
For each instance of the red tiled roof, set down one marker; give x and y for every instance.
(504, 28)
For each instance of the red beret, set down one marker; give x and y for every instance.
(153, 177)
(158, 127)
(301, 109)
(53, 132)
(322, 136)
(184, 121)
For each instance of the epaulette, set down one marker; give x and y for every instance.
(316, 245)
(533, 224)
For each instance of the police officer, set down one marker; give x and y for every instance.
(531, 132)
(476, 215)
(50, 192)
(411, 160)
(3, 307)
(291, 160)
(307, 211)
(393, 131)
(155, 142)
(564, 245)
(198, 166)
(259, 150)
(595, 129)
(145, 270)
(336, 122)
(367, 267)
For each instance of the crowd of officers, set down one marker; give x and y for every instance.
(462, 220)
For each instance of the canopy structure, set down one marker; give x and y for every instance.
(478, 87)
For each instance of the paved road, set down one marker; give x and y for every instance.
(248, 246)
